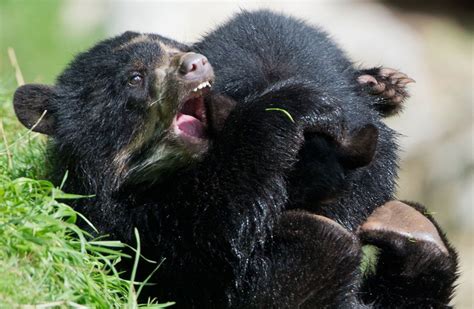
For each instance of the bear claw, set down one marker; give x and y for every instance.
(389, 85)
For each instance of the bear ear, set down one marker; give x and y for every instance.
(358, 147)
(130, 33)
(32, 104)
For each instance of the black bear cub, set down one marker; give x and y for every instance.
(209, 177)
(343, 175)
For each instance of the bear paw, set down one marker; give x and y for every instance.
(415, 260)
(389, 85)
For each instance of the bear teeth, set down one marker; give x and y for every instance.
(202, 85)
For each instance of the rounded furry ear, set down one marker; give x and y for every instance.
(32, 104)
(358, 147)
(130, 34)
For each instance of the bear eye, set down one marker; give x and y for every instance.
(135, 79)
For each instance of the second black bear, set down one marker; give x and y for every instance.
(255, 50)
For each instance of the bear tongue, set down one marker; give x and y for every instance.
(190, 125)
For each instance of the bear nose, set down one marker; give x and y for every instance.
(193, 65)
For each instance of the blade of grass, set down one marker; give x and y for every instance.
(19, 76)
(287, 114)
(7, 148)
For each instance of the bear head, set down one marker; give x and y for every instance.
(133, 104)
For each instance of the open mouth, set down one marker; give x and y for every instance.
(190, 122)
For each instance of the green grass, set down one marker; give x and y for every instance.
(46, 260)
(44, 43)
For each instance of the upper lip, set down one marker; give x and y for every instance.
(197, 89)
(208, 76)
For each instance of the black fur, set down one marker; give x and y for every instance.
(254, 50)
(223, 220)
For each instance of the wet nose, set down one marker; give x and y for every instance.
(193, 65)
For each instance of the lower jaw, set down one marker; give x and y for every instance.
(175, 153)
(193, 146)
(189, 127)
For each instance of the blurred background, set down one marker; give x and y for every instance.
(431, 41)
